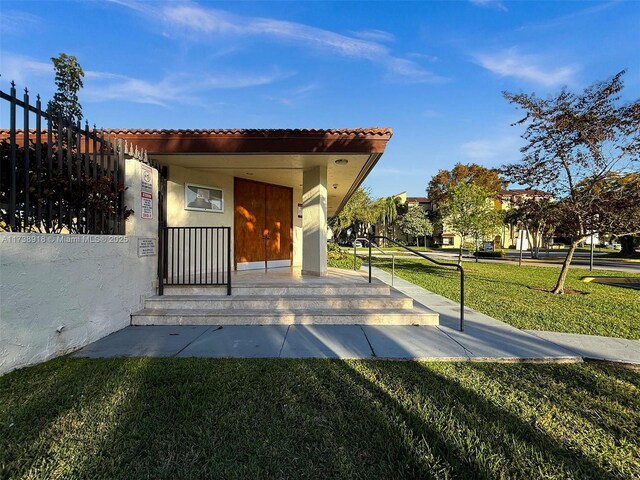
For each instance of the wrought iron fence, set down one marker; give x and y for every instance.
(61, 178)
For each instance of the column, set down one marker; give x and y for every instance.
(314, 221)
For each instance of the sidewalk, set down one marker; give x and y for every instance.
(484, 339)
(588, 347)
(594, 347)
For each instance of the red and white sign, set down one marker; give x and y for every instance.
(147, 205)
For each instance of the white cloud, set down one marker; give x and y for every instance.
(15, 22)
(563, 20)
(497, 4)
(512, 63)
(201, 23)
(423, 56)
(375, 35)
(494, 151)
(20, 68)
(293, 96)
(170, 89)
(101, 86)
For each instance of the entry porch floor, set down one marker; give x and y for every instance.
(280, 276)
(293, 276)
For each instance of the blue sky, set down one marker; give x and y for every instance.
(432, 71)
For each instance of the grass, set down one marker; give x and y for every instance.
(205, 418)
(342, 260)
(503, 291)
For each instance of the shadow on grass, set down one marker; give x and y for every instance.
(203, 418)
(32, 402)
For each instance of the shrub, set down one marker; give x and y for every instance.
(338, 258)
(333, 247)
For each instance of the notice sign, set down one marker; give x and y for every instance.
(147, 205)
(146, 247)
(146, 179)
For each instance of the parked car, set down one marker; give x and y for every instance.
(357, 244)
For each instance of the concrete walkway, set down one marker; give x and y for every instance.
(595, 347)
(484, 339)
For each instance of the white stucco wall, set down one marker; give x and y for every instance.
(177, 216)
(136, 225)
(87, 284)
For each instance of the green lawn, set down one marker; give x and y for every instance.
(503, 292)
(343, 260)
(203, 418)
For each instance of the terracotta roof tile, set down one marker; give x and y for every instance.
(264, 132)
(237, 140)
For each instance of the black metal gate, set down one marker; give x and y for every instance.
(195, 256)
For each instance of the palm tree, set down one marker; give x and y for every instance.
(388, 212)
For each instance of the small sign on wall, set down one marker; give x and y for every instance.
(146, 247)
(299, 210)
(147, 205)
(146, 179)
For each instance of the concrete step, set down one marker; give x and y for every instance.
(418, 315)
(277, 302)
(282, 290)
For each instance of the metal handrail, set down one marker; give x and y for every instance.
(393, 258)
(443, 264)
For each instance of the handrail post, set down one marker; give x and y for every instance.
(369, 241)
(393, 268)
(355, 264)
(161, 255)
(461, 298)
(228, 260)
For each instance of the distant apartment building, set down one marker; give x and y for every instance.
(504, 200)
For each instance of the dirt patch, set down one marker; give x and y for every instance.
(567, 290)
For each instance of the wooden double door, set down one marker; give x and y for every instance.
(263, 225)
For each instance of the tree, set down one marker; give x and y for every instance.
(358, 213)
(537, 216)
(469, 211)
(68, 80)
(444, 180)
(389, 210)
(616, 209)
(415, 223)
(573, 142)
